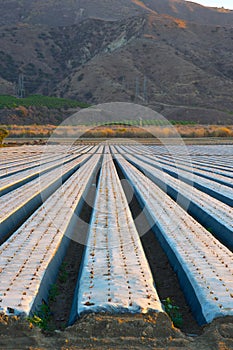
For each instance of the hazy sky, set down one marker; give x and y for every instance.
(228, 4)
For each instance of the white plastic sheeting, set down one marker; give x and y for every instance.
(215, 189)
(218, 175)
(206, 169)
(17, 205)
(34, 158)
(30, 259)
(224, 178)
(20, 164)
(56, 159)
(116, 276)
(209, 211)
(204, 266)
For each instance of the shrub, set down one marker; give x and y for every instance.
(3, 133)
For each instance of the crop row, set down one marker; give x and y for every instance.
(24, 200)
(202, 263)
(142, 122)
(13, 180)
(42, 200)
(29, 259)
(9, 167)
(215, 185)
(115, 275)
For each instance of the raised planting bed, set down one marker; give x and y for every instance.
(215, 189)
(30, 259)
(19, 178)
(19, 204)
(210, 212)
(204, 266)
(115, 276)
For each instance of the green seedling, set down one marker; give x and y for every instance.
(63, 274)
(173, 312)
(41, 317)
(53, 293)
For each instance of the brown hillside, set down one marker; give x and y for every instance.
(149, 52)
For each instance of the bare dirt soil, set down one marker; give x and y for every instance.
(105, 332)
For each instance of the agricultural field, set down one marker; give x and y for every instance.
(7, 101)
(89, 233)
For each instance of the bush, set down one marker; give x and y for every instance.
(3, 133)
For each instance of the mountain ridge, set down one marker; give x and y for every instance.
(182, 69)
(68, 12)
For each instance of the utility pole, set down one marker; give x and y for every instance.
(21, 90)
(140, 121)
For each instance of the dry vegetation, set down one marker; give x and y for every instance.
(29, 130)
(206, 131)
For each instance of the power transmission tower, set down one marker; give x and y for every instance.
(123, 84)
(145, 89)
(21, 90)
(136, 89)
